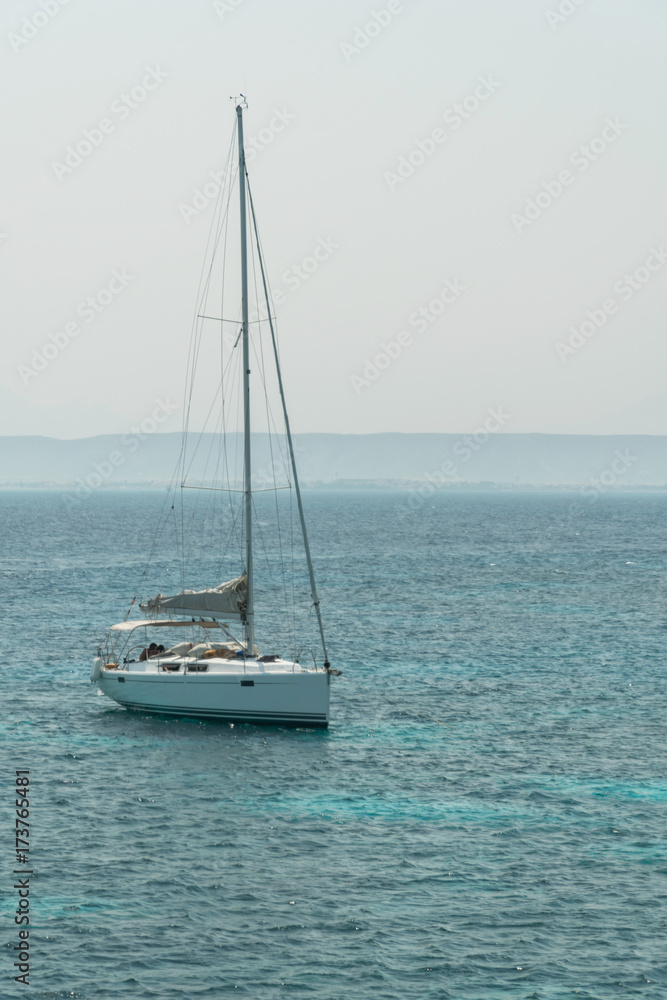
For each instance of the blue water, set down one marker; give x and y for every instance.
(485, 818)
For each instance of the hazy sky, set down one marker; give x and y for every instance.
(499, 166)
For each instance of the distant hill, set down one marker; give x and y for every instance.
(518, 460)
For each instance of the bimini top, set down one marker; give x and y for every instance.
(159, 623)
(229, 600)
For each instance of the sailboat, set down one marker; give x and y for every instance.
(206, 663)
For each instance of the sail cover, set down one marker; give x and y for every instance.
(226, 601)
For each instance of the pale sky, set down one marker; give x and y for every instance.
(406, 141)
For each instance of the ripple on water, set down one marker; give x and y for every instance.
(484, 819)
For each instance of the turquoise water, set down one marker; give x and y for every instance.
(486, 817)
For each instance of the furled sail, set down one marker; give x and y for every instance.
(229, 600)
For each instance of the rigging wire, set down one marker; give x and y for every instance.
(211, 450)
(221, 212)
(311, 572)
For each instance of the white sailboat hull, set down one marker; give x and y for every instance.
(275, 697)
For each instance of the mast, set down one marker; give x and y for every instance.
(297, 488)
(247, 467)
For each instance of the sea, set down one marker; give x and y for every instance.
(484, 819)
